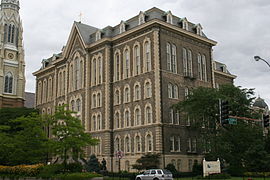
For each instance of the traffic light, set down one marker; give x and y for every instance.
(265, 120)
(224, 112)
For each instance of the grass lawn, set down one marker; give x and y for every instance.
(233, 178)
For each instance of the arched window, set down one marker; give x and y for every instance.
(170, 91)
(99, 122)
(138, 144)
(94, 72)
(169, 17)
(137, 92)
(71, 78)
(190, 63)
(174, 63)
(99, 99)
(117, 120)
(99, 70)
(137, 114)
(73, 105)
(185, 62)
(39, 96)
(122, 27)
(127, 94)
(127, 63)
(204, 74)
(148, 90)
(149, 143)
(117, 144)
(5, 33)
(13, 34)
(147, 56)
(94, 123)
(137, 60)
(200, 67)
(44, 98)
(9, 32)
(50, 90)
(127, 118)
(77, 73)
(141, 18)
(148, 114)
(117, 72)
(60, 83)
(175, 92)
(169, 57)
(127, 144)
(78, 104)
(94, 100)
(117, 100)
(8, 83)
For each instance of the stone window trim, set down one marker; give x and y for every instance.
(137, 116)
(199, 58)
(98, 35)
(147, 89)
(149, 139)
(136, 59)
(44, 94)
(97, 69)
(204, 67)
(138, 143)
(175, 144)
(127, 95)
(117, 65)
(147, 60)
(96, 124)
(141, 18)
(148, 111)
(127, 117)
(169, 17)
(126, 62)
(39, 92)
(137, 91)
(184, 23)
(9, 83)
(173, 91)
(117, 96)
(198, 28)
(127, 144)
(117, 143)
(122, 27)
(117, 118)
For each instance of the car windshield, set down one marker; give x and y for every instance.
(167, 171)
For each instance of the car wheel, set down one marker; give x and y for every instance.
(155, 179)
(138, 178)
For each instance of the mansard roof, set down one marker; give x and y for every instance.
(88, 32)
(220, 67)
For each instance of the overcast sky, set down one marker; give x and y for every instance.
(241, 28)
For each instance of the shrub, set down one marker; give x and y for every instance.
(51, 170)
(77, 176)
(74, 167)
(21, 170)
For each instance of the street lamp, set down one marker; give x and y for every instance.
(257, 58)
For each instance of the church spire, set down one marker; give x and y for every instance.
(10, 4)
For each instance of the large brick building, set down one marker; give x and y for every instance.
(123, 80)
(12, 66)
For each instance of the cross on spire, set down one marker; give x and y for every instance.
(80, 16)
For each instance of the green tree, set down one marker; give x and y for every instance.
(92, 164)
(148, 161)
(69, 136)
(25, 144)
(231, 143)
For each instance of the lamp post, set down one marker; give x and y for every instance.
(257, 58)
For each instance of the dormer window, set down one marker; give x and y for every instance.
(141, 18)
(198, 29)
(98, 35)
(223, 68)
(169, 17)
(184, 23)
(122, 27)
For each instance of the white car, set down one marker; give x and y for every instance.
(155, 174)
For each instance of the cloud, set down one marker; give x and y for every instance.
(241, 28)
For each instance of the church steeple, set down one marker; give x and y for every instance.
(10, 4)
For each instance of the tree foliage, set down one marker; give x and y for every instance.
(69, 136)
(235, 145)
(148, 161)
(23, 143)
(92, 164)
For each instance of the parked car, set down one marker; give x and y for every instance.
(155, 174)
